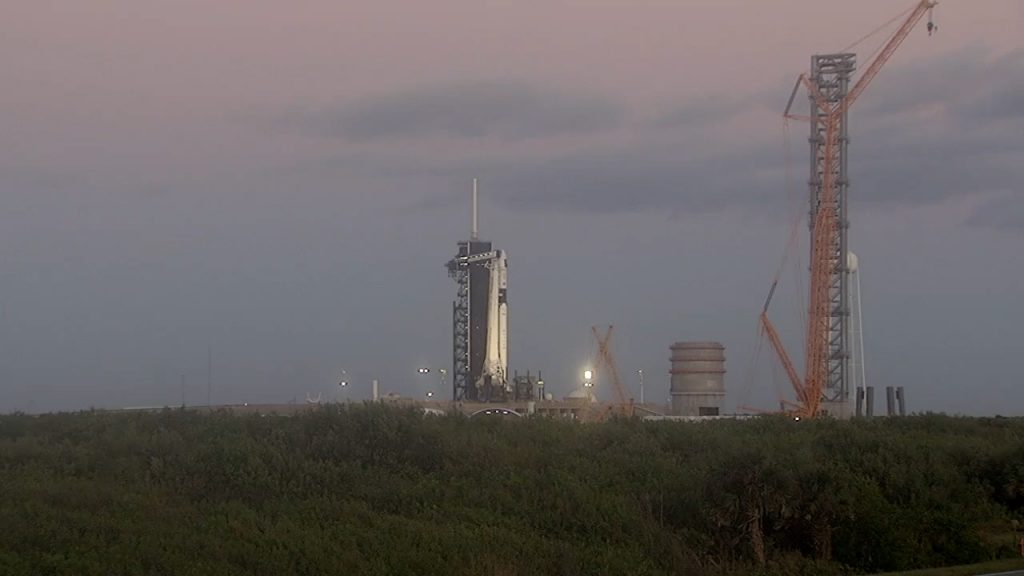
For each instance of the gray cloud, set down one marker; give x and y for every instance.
(1004, 98)
(635, 178)
(971, 83)
(1004, 212)
(686, 162)
(943, 127)
(702, 112)
(503, 110)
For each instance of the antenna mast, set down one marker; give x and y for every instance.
(475, 233)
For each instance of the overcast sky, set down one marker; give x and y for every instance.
(282, 182)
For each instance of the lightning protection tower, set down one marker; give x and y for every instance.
(830, 74)
(479, 319)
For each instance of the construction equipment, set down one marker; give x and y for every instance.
(826, 352)
(621, 405)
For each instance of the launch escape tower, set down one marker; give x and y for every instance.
(479, 319)
(831, 74)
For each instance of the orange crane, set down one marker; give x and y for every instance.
(825, 261)
(606, 360)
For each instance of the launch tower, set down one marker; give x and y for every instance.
(479, 319)
(830, 74)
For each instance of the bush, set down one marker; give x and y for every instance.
(382, 490)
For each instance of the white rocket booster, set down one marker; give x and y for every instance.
(496, 355)
(495, 364)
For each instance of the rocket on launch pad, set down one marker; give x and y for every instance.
(480, 319)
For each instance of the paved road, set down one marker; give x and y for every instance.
(1010, 573)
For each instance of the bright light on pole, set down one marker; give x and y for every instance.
(343, 394)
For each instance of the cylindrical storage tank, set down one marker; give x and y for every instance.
(698, 378)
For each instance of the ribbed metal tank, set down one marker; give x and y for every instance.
(698, 378)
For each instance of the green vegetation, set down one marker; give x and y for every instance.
(994, 567)
(379, 490)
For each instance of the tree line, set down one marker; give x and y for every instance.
(373, 489)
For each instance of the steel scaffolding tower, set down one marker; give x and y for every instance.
(830, 74)
(460, 330)
(825, 387)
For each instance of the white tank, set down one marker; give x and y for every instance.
(698, 378)
(852, 262)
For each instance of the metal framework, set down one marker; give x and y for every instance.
(830, 74)
(471, 270)
(459, 272)
(826, 376)
(479, 331)
(606, 361)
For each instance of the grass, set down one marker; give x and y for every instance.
(968, 570)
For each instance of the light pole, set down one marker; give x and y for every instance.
(588, 384)
(641, 373)
(343, 384)
(425, 370)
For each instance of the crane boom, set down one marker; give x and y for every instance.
(607, 360)
(887, 51)
(826, 259)
(787, 364)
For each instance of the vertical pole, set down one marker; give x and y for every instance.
(869, 399)
(475, 233)
(860, 330)
(182, 390)
(852, 327)
(455, 350)
(641, 373)
(209, 374)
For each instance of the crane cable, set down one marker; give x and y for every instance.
(878, 29)
(743, 397)
(796, 217)
(791, 244)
